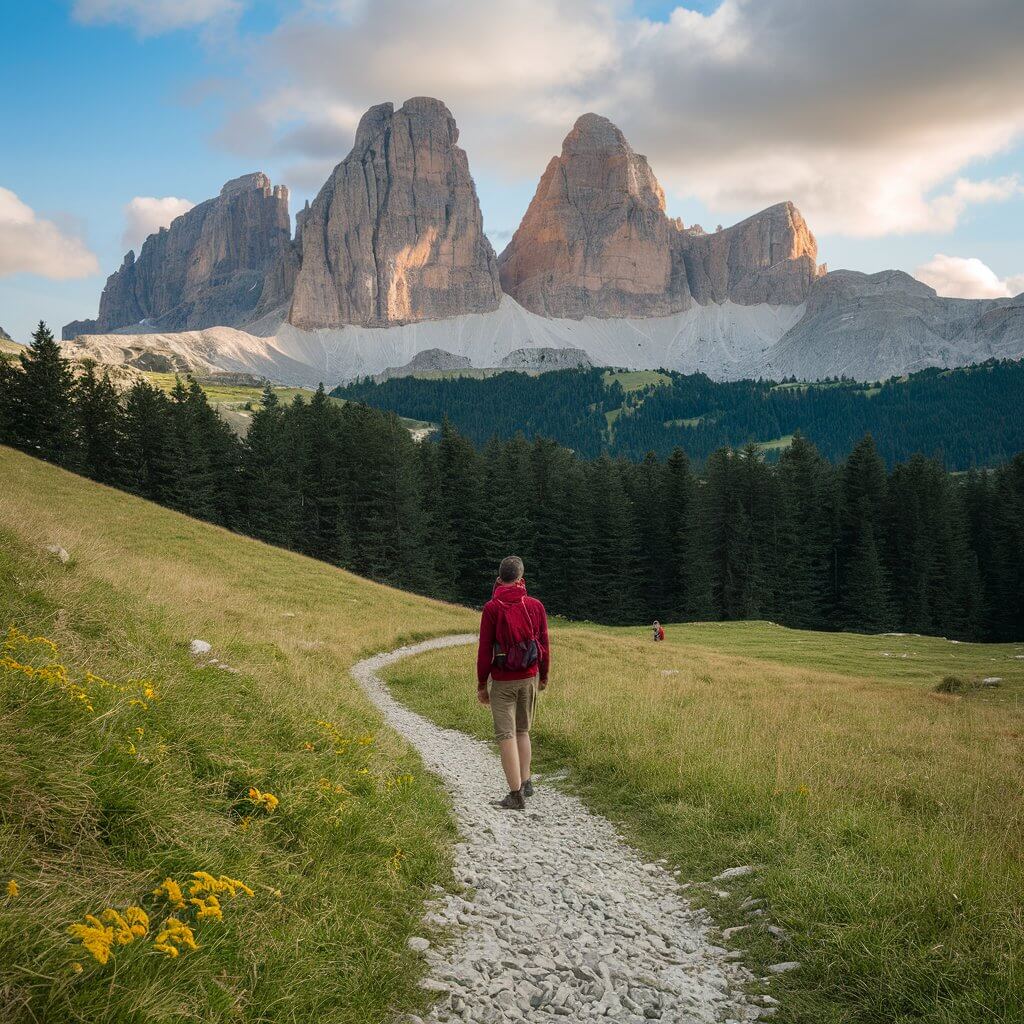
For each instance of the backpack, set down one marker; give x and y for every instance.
(517, 654)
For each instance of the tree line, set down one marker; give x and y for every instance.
(803, 541)
(969, 417)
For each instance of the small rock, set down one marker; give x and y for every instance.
(776, 931)
(735, 930)
(59, 552)
(433, 985)
(418, 944)
(991, 680)
(788, 965)
(197, 647)
(739, 872)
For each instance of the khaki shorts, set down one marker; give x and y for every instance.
(512, 703)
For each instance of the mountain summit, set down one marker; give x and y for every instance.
(596, 241)
(396, 235)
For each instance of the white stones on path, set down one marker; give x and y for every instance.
(560, 918)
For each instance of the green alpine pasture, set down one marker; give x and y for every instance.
(884, 815)
(125, 761)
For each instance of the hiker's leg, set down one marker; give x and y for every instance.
(503, 710)
(509, 749)
(526, 700)
(525, 754)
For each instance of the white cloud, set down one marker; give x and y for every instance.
(34, 246)
(145, 215)
(151, 17)
(967, 278)
(868, 115)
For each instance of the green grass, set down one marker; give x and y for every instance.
(94, 814)
(635, 380)
(886, 817)
(776, 444)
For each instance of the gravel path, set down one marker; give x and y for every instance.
(560, 919)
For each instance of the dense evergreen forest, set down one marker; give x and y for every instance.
(802, 541)
(968, 418)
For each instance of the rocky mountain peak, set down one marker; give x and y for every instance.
(396, 235)
(595, 240)
(208, 267)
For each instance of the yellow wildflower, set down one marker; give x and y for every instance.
(205, 884)
(394, 862)
(170, 889)
(138, 921)
(307, 745)
(149, 692)
(173, 936)
(208, 906)
(365, 741)
(244, 824)
(76, 967)
(95, 936)
(267, 801)
(13, 889)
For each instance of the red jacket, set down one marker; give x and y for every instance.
(511, 595)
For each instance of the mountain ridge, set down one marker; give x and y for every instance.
(393, 244)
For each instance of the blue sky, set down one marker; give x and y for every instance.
(104, 105)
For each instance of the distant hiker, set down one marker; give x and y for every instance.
(513, 654)
(659, 631)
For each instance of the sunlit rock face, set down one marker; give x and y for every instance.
(596, 241)
(395, 236)
(207, 268)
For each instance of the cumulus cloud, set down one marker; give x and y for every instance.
(868, 115)
(151, 17)
(145, 215)
(967, 278)
(31, 245)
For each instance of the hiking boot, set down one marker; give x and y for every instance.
(527, 789)
(515, 801)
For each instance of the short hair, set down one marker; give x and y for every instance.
(511, 569)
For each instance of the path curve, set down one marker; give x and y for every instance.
(560, 919)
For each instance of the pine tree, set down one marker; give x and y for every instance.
(803, 571)
(146, 443)
(611, 596)
(42, 418)
(97, 413)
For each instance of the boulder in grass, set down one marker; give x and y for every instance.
(58, 552)
(199, 647)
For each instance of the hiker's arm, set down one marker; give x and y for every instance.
(545, 657)
(484, 654)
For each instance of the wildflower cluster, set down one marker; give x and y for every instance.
(173, 936)
(99, 935)
(267, 801)
(36, 658)
(399, 781)
(13, 889)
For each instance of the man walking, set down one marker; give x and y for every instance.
(514, 655)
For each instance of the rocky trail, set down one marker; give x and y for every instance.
(559, 918)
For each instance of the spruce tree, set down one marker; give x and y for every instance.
(97, 413)
(146, 443)
(42, 409)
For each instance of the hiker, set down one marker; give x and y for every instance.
(513, 654)
(659, 631)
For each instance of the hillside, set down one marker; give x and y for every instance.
(105, 798)
(971, 416)
(881, 816)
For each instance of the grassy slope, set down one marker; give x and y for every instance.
(887, 818)
(85, 823)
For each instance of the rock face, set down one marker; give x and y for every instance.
(873, 326)
(208, 268)
(4, 336)
(395, 236)
(771, 257)
(596, 241)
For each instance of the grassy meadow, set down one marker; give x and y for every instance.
(125, 761)
(885, 817)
